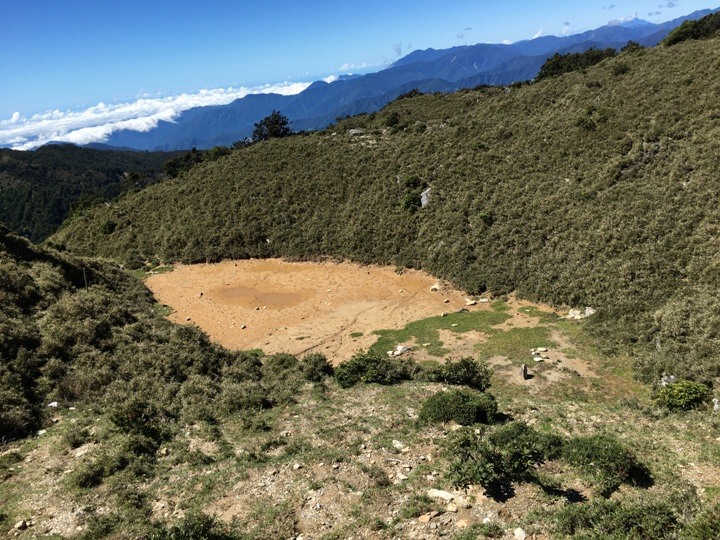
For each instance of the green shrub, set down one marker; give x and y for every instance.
(497, 458)
(196, 526)
(76, 436)
(92, 473)
(245, 395)
(281, 378)
(372, 367)
(621, 68)
(683, 395)
(610, 519)
(459, 406)
(315, 367)
(705, 525)
(605, 461)
(465, 372)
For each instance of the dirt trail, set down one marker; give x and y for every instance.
(299, 307)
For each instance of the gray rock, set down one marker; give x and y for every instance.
(578, 314)
(440, 494)
(356, 132)
(425, 197)
(524, 372)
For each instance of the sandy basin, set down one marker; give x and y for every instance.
(280, 306)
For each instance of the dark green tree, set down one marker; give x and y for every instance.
(274, 125)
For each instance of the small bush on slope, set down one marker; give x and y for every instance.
(460, 406)
(606, 461)
(497, 458)
(373, 368)
(683, 395)
(464, 372)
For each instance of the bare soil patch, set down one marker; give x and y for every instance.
(280, 306)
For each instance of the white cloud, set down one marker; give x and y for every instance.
(539, 33)
(621, 20)
(351, 67)
(97, 123)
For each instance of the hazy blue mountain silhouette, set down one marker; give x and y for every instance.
(428, 70)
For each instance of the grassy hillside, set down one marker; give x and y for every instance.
(38, 189)
(117, 424)
(597, 188)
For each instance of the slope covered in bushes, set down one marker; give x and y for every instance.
(595, 188)
(39, 189)
(80, 331)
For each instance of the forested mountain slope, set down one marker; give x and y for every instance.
(595, 188)
(38, 189)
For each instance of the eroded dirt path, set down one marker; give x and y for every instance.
(280, 306)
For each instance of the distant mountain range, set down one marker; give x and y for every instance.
(429, 70)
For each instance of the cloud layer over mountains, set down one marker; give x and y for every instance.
(96, 123)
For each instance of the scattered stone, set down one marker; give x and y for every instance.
(398, 445)
(243, 327)
(668, 380)
(440, 494)
(257, 308)
(356, 132)
(541, 349)
(447, 300)
(426, 344)
(200, 295)
(399, 350)
(188, 319)
(538, 358)
(484, 300)
(462, 310)
(297, 466)
(53, 404)
(470, 302)
(452, 507)
(425, 518)
(401, 477)
(435, 287)
(425, 197)
(578, 314)
(462, 524)
(519, 534)
(524, 372)
(454, 325)
(42, 432)
(716, 404)
(335, 466)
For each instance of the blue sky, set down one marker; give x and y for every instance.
(70, 55)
